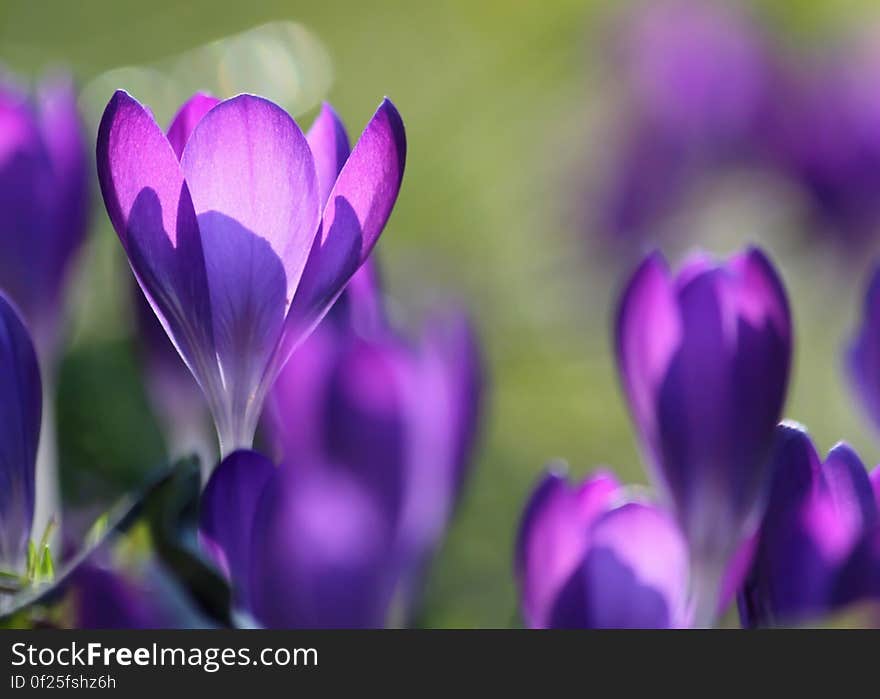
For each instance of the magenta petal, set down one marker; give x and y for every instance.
(875, 485)
(553, 537)
(150, 207)
(20, 412)
(186, 119)
(634, 574)
(228, 512)
(330, 148)
(357, 209)
(252, 179)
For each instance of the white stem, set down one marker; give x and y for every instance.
(48, 487)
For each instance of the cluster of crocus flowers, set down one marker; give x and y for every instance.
(237, 235)
(374, 435)
(704, 360)
(707, 93)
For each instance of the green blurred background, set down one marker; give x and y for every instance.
(504, 104)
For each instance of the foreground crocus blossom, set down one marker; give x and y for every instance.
(863, 354)
(44, 197)
(816, 547)
(223, 224)
(704, 361)
(20, 413)
(588, 556)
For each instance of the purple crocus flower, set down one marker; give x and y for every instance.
(20, 414)
(375, 435)
(303, 547)
(828, 140)
(697, 84)
(224, 229)
(699, 70)
(815, 547)
(704, 361)
(588, 556)
(43, 200)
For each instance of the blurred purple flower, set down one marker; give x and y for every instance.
(817, 543)
(227, 238)
(827, 139)
(375, 436)
(863, 354)
(704, 361)
(20, 414)
(698, 84)
(697, 70)
(587, 557)
(44, 200)
(304, 547)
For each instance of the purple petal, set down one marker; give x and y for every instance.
(361, 305)
(228, 512)
(875, 485)
(553, 538)
(863, 354)
(330, 148)
(443, 430)
(186, 119)
(647, 336)
(357, 209)
(321, 553)
(859, 578)
(634, 574)
(252, 179)
(150, 207)
(20, 414)
(850, 487)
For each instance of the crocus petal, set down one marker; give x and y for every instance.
(850, 487)
(859, 578)
(321, 553)
(186, 119)
(863, 354)
(356, 212)
(228, 510)
(553, 537)
(875, 485)
(252, 179)
(447, 367)
(63, 135)
(634, 574)
(150, 207)
(20, 414)
(330, 148)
